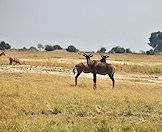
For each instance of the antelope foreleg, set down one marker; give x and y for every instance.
(94, 81)
(76, 77)
(113, 80)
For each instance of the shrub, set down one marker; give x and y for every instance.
(71, 48)
(102, 50)
(127, 50)
(117, 49)
(49, 48)
(150, 52)
(40, 46)
(4, 46)
(57, 47)
(32, 48)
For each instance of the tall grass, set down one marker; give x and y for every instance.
(40, 102)
(37, 102)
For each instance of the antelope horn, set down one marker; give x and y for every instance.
(84, 54)
(91, 55)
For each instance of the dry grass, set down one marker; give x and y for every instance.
(40, 102)
(33, 102)
(130, 63)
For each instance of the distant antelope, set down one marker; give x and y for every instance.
(15, 60)
(81, 67)
(98, 67)
(3, 53)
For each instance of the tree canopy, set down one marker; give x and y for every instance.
(156, 41)
(51, 48)
(150, 52)
(117, 49)
(102, 50)
(4, 46)
(72, 48)
(40, 46)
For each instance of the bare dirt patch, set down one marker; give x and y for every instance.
(136, 78)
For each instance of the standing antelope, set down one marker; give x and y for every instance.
(100, 67)
(81, 67)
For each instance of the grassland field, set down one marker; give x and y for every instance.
(40, 95)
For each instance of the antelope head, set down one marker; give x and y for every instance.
(87, 56)
(104, 57)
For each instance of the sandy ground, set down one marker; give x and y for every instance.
(136, 78)
(68, 61)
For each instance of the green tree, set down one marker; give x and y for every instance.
(102, 50)
(117, 49)
(49, 48)
(72, 48)
(57, 47)
(156, 41)
(4, 46)
(150, 52)
(23, 49)
(40, 47)
(32, 48)
(127, 50)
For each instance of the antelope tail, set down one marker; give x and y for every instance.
(74, 71)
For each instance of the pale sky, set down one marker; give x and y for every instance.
(86, 24)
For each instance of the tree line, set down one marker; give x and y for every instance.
(70, 48)
(155, 41)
